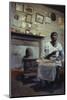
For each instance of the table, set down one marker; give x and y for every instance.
(46, 70)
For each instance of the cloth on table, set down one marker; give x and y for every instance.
(47, 71)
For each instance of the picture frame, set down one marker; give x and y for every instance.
(28, 18)
(17, 20)
(60, 21)
(47, 20)
(39, 18)
(19, 7)
(28, 9)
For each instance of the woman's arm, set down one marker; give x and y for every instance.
(51, 54)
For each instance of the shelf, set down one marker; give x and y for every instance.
(23, 36)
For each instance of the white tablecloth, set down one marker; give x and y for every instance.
(46, 71)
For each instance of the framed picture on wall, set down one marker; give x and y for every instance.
(47, 20)
(19, 7)
(29, 18)
(28, 9)
(39, 18)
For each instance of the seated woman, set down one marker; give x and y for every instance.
(53, 51)
(54, 48)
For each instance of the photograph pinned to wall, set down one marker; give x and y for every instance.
(23, 24)
(16, 16)
(23, 17)
(28, 28)
(17, 21)
(20, 15)
(39, 18)
(29, 18)
(19, 7)
(47, 20)
(60, 20)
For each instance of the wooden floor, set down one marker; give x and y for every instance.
(23, 86)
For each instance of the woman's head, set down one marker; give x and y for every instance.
(54, 36)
